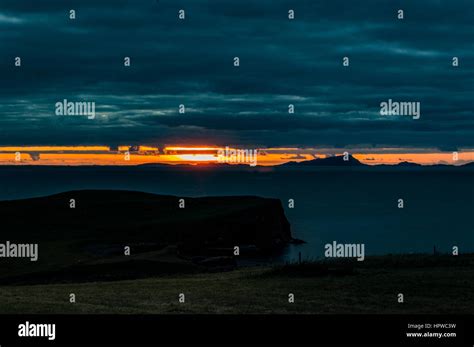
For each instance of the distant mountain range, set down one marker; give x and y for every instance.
(330, 161)
(338, 161)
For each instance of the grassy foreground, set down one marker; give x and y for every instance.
(429, 284)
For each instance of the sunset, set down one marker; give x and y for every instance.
(137, 155)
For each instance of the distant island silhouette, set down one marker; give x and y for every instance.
(350, 161)
(330, 161)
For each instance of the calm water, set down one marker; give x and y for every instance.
(343, 205)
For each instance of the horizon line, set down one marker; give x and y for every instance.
(199, 155)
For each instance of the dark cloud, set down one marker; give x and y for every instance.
(190, 62)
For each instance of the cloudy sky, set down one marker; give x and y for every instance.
(282, 62)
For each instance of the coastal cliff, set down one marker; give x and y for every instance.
(126, 234)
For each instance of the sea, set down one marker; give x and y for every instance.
(389, 210)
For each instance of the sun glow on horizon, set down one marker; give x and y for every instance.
(191, 148)
(197, 157)
(203, 154)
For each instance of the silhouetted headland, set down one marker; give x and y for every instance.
(165, 234)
